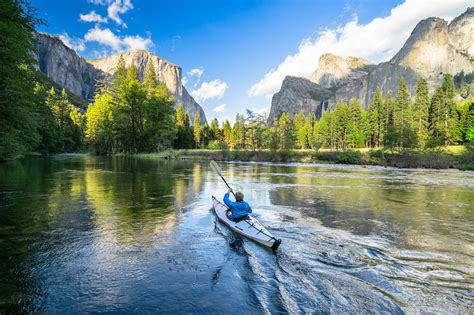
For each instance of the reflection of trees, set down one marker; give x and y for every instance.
(353, 199)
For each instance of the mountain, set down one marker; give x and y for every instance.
(335, 70)
(433, 49)
(79, 76)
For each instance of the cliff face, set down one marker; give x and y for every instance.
(79, 75)
(335, 70)
(298, 94)
(433, 49)
(65, 67)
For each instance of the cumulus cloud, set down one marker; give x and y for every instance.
(74, 43)
(210, 90)
(92, 17)
(114, 9)
(118, 7)
(106, 37)
(377, 40)
(220, 108)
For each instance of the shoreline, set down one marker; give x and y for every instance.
(425, 160)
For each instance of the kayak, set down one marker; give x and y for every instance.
(248, 227)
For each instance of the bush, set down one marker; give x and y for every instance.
(214, 145)
(349, 157)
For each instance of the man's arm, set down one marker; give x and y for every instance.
(227, 200)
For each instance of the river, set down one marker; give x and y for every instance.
(124, 234)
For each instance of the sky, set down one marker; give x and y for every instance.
(234, 54)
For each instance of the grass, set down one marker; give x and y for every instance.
(441, 158)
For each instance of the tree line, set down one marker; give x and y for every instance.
(422, 121)
(129, 116)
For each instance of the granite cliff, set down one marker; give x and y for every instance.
(79, 76)
(433, 49)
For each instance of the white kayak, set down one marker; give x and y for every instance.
(248, 227)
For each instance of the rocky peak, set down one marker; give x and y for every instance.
(335, 70)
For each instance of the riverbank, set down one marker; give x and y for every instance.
(451, 157)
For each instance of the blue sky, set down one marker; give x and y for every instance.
(234, 54)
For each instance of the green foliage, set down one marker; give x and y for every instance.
(19, 126)
(421, 111)
(349, 157)
(197, 130)
(286, 132)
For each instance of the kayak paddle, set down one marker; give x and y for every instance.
(216, 168)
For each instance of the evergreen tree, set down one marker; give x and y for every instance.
(376, 118)
(340, 126)
(149, 79)
(308, 125)
(238, 132)
(321, 132)
(227, 130)
(18, 132)
(401, 117)
(448, 112)
(286, 132)
(300, 130)
(120, 73)
(197, 130)
(421, 111)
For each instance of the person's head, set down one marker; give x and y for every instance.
(239, 196)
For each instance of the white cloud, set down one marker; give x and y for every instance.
(377, 40)
(106, 37)
(137, 42)
(118, 7)
(92, 17)
(196, 72)
(76, 44)
(193, 77)
(220, 108)
(210, 90)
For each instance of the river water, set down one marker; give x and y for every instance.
(89, 234)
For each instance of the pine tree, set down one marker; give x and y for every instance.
(286, 132)
(401, 116)
(321, 132)
(238, 132)
(300, 130)
(180, 116)
(120, 73)
(308, 125)
(197, 130)
(421, 111)
(227, 130)
(376, 118)
(149, 79)
(448, 112)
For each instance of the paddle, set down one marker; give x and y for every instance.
(216, 168)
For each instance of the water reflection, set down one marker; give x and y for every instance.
(121, 234)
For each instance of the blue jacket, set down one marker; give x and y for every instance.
(239, 208)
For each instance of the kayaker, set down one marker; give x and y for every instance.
(239, 209)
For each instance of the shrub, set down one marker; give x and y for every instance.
(349, 157)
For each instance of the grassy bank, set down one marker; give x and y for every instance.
(450, 157)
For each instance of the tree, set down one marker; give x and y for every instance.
(402, 118)
(184, 135)
(149, 79)
(421, 111)
(321, 138)
(18, 132)
(286, 132)
(197, 130)
(120, 74)
(238, 132)
(340, 124)
(308, 125)
(376, 118)
(227, 131)
(300, 130)
(100, 123)
(159, 130)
